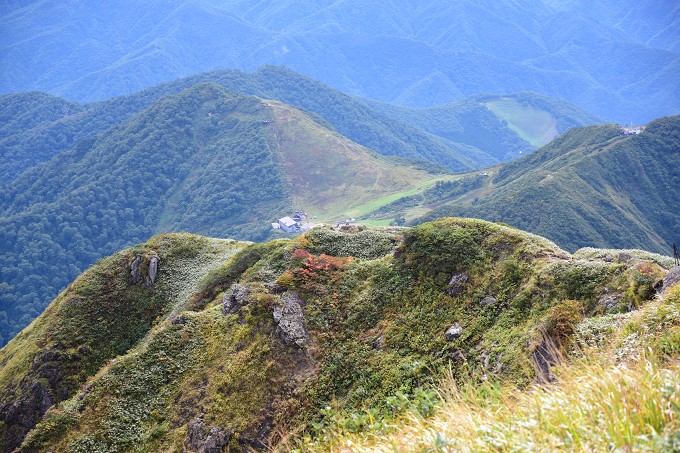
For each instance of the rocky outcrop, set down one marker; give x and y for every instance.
(153, 270)
(135, 274)
(200, 440)
(487, 301)
(453, 332)
(36, 393)
(146, 272)
(457, 284)
(672, 278)
(235, 298)
(289, 316)
(610, 301)
(545, 356)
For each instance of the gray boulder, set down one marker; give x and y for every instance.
(216, 441)
(236, 297)
(135, 276)
(198, 441)
(457, 284)
(488, 300)
(289, 316)
(672, 278)
(153, 270)
(453, 332)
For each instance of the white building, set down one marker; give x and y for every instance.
(288, 225)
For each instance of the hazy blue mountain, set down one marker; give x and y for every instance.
(616, 59)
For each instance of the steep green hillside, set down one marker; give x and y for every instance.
(299, 337)
(616, 59)
(101, 315)
(204, 161)
(589, 186)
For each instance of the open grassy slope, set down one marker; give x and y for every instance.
(329, 331)
(505, 127)
(538, 127)
(329, 175)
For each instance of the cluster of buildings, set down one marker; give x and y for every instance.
(295, 224)
(633, 130)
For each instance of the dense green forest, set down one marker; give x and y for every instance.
(592, 186)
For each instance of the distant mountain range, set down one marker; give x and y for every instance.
(593, 186)
(461, 136)
(617, 59)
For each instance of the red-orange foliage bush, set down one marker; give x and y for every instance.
(314, 273)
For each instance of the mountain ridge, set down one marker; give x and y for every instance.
(383, 129)
(591, 185)
(240, 342)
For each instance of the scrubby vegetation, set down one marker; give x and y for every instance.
(619, 391)
(99, 317)
(385, 315)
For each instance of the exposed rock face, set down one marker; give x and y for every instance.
(198, 441)
(37, 395)
(236, 297)
(488, 300)
(457, 284)
(135, 276)
(153, 270)
(610, 301)
(672, 278)
(290, 319)
(545, 357)
(453, 332)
